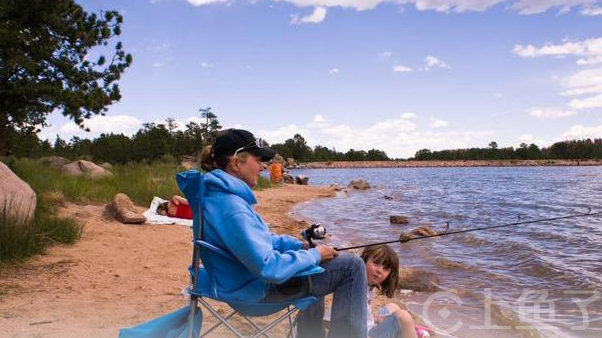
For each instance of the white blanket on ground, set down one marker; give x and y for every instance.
(154, 218)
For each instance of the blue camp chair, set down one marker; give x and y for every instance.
(202, 285)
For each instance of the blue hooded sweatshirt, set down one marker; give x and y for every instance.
(261, 258)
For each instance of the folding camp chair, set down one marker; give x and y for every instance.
(203, 285)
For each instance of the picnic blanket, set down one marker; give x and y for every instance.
(154, 218)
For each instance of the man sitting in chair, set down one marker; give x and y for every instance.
(265, 262)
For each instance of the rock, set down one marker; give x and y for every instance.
(422, 231)
(123, 209)
(302, 179)
(418, 280)
(288, 178)
(17, 199)
(359, 184)
(397, 219)
(107, 166)
(55, 161)
(335, 187)
(86, 168)
(387, 197)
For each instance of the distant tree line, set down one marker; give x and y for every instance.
(574, 149)
(154, 142)
(298, 149)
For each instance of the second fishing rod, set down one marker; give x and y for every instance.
(316, 231)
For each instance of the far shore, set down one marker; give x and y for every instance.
(444, 164)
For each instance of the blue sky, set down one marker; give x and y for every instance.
(394, 75)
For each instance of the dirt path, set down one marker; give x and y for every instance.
(116, 275)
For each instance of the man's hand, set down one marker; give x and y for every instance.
(326, 253)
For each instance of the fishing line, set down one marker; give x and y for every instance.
(589, 213)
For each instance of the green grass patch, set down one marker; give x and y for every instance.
(21, 239)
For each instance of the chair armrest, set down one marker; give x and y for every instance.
(310, 271)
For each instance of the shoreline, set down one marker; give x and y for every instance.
(120, 275)
(447, 164)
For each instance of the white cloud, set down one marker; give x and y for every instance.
(385, 55)
(587, 103)
(433, 62)
(588, 7)
(318, 15)
(98, 124)
(590, 50)
(586, 83)
(319, 119)
(206, 65)
(157, 65)
(550, 112)
(158, 47)
(437, 123)
(333, 71)
(401, 69)
(497, 95)
(398, 136)
(581, 132)
(591, 10)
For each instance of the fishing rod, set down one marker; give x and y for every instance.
(447, 232)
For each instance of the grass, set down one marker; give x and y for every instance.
(20, 239)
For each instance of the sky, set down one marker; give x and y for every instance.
(397, 75)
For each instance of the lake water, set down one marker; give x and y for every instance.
(542, 278)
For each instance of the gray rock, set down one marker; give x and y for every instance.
(397, 219)
(17, 199)
(85, 168)
(359, 184)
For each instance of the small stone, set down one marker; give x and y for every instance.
(397, 219)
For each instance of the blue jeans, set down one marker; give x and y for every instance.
(345, 276)
(388, 328)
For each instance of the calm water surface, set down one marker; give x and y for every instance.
(544, 275)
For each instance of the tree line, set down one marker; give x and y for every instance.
(571, 149)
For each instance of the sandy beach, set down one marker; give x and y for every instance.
(117, 275)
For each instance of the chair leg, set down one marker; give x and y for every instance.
(291, 325)
(274, 323)
(217, 315)
(254, 325)
(217, 325)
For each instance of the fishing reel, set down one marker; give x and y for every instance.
(315, 231)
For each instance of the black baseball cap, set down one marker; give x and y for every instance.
(232, 140)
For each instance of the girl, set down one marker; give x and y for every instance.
(382, 272)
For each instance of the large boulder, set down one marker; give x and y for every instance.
(418, 280)
(55, 161)
(86, 168)
(106, 166)
(17, 199)
(123, 209)
(302, 179)
(398, 219)
(359, 184)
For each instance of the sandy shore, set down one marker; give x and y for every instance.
(429, 164)
(117, 275)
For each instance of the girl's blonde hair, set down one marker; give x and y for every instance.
(387, 257)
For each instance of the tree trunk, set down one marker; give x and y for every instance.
(4, 145)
